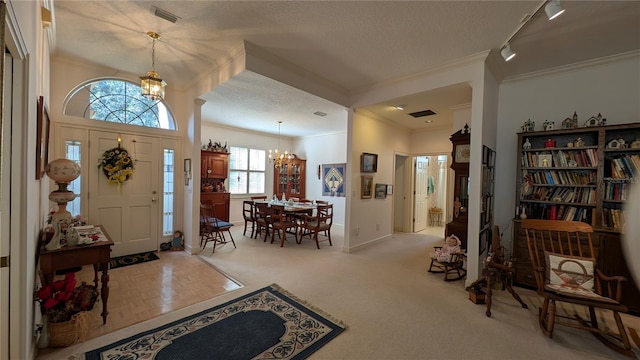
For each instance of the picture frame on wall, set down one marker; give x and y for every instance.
(187, 171)
(368, 163)
(366, 187)
(381, 191)
(42, 136)
(484, 240)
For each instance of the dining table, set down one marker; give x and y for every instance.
(296, 209)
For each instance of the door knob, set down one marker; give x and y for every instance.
(154, 200)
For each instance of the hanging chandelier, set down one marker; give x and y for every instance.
(151, 84)
(277, 156)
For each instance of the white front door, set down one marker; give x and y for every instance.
(420, 197)
(130, 214)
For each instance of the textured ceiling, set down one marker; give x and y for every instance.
(353, 44)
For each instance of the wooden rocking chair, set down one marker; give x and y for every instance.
(564, 264)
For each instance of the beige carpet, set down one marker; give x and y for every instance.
(393, 307)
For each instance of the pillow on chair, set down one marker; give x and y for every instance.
(573, 275)
(570, 271)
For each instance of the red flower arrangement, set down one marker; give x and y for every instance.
(61, 299)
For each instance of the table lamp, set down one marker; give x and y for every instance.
(62, 171)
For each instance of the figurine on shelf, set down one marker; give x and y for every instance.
(527, 144)
(548, 125)
(578, 143)
(570, 122)
(528, 126)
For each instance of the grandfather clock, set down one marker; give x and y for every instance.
(461, 155)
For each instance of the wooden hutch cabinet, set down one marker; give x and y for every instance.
(580, 174)
(214, 169)
(289, 178)
(461, 155)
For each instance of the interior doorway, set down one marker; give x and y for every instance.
(437, 190)
(420, 204)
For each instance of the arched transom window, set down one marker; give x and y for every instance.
(118, 101)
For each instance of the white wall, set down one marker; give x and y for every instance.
(610, 87)
(371, 219)
(318, 150)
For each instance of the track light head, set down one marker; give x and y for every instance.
(553, 9)
(506, 52)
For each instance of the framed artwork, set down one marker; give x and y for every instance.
(366, 187)
(484, 240)
(42, 144)
(187, 171)
(485, 155)
(368, 163)
(389, 189)
(333, 178)
(381, 191)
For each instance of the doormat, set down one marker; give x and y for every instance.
(126, 260)
(269, 323)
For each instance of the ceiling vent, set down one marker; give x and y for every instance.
(320, 113)
(164, 14)
(422, 113)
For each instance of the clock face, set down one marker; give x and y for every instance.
(463, 153)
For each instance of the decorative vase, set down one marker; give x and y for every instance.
(43, 341)
(523, 214)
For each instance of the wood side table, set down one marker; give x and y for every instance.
(97, 254)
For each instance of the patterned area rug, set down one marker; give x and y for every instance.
(127, 260)
(268, 323)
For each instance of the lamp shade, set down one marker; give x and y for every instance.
(506, 53)
(62, 170)
(553, 9)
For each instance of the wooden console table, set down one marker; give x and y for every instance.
(97, 254)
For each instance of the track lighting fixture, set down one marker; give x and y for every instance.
(553, 9)
(506, 52)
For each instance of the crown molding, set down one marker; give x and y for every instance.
(575, 66)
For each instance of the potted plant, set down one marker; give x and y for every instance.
(65, 308)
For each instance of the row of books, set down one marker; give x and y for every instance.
(613, 218)
(577, 195)
(559, 212)
(587, 157)
(626, 167)
(616, 191)
(560, 158)
(564, 177)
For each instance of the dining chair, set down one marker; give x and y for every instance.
(320, 222)
(261, 197)
(282, 221)
(564, 262)
(249, 215)
(263, 219)
(322, 202)
(212, 228)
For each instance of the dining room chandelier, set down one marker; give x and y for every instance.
(151, 84)
(279, 157)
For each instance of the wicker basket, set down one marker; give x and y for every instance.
(69, 332)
